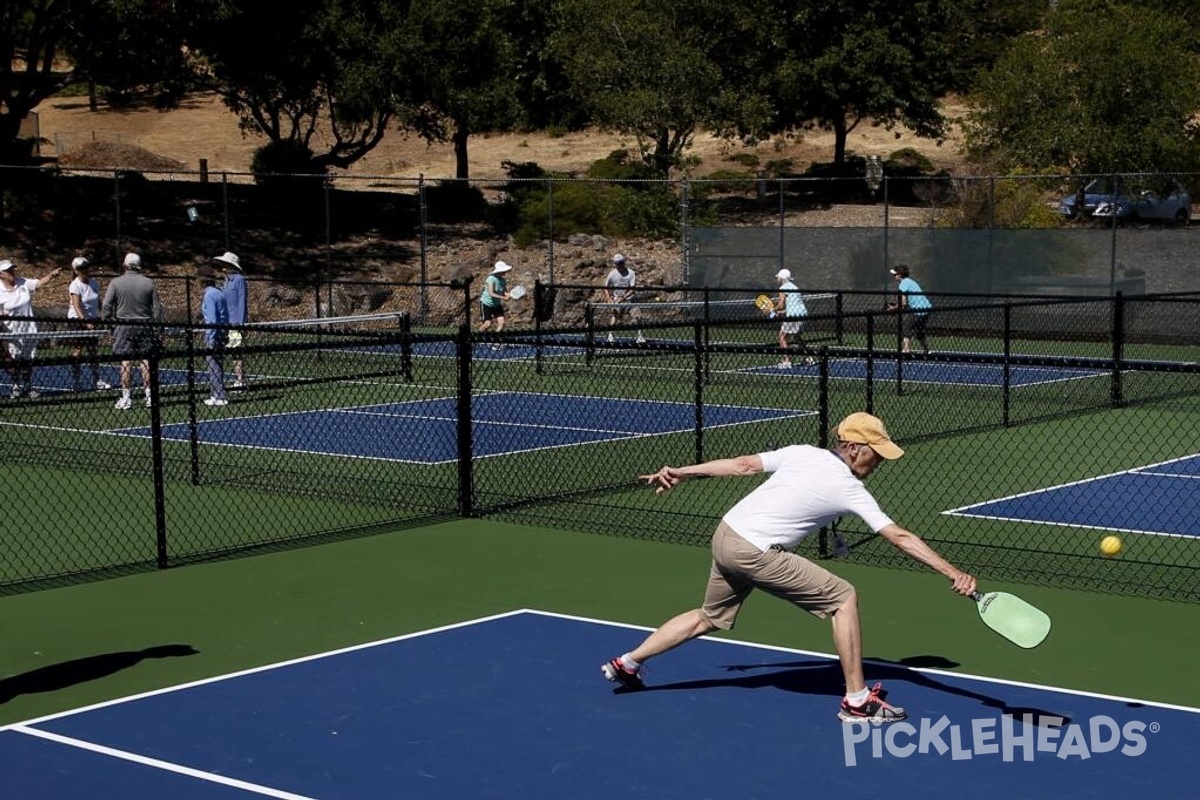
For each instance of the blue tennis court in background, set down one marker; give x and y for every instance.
(939, 372)
(426, 431)
(1160, 499)
(514, 706)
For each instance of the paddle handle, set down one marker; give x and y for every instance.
(976, 596)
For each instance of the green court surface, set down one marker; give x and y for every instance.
(67, 647)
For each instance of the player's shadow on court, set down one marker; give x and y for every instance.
(53, 677)
(825, 677)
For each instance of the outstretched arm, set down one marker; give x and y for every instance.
(914, 546)
(669, 477)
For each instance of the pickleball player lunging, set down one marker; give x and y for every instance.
(808, 488)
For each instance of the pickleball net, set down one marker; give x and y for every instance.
(724, 320)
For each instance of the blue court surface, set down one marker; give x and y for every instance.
(425, 431)
(946, 373)
(514, 706)
(57, 378)
(1160, 499)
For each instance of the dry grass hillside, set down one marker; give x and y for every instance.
(202, 128)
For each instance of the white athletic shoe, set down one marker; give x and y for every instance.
(124, 403)
(103, 384)
(148, 401)
(213, 401)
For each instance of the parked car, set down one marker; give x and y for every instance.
(1129, 203)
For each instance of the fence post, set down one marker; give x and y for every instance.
(698, 387)
(538, 292)
(870, 363)
(225, 206)
(1118, 351)
(685, 229)
(193, 423)
(550, 224)
(823, 428)
(117, 208)
(1006, 379)
(422, 234)
(158, 469)
(406, 346)
(466, 484)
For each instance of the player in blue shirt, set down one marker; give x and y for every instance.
(917, 308)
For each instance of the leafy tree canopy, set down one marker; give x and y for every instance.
(1108, 87)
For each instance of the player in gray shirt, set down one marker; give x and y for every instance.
(132, 297)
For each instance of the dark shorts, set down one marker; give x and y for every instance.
(135, 340)
(914, 325)
(492, 312)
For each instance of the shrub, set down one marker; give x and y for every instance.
(454, 201)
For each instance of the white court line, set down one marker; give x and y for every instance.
(1131, 471)
(264, 668)
(965, 511)
(610, 435)
(25, 727)
(166, 766)
(924, 670)
(576, 618)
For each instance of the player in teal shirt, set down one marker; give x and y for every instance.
(917, 308)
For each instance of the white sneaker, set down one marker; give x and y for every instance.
(214, 401)
(784, 365)
(238, 384)
(641, 339)
(610, 339)
(148, 401)
(33, 393)
(810, 362)
(16, 392)
(124, 403)
(103, 384)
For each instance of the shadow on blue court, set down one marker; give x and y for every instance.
(1157, 499)
(939, 372)
(426, 431)
(515, 707)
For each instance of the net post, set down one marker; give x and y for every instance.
(698, 383)
(158, 468)
(1118, 351)
(466, 488)
(193, 422)
(406, 348)
(1006, 373)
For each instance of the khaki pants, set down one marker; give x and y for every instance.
(739, 567)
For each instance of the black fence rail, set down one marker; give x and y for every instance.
(1032, 432)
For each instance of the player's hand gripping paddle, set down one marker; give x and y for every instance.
(517, 292)
(1011, 617)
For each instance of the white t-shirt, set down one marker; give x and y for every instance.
(17, 302)
(809, 488)
(89, 298)
(620, 285)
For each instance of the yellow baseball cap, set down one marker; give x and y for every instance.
(863, 428)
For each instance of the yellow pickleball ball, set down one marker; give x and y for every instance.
(1110, 545)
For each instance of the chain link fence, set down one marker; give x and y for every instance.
(1034, 427)
(961, 234)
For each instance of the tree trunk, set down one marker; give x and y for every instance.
(462, 165)
(840, 134)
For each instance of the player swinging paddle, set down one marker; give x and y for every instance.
(809, 488)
